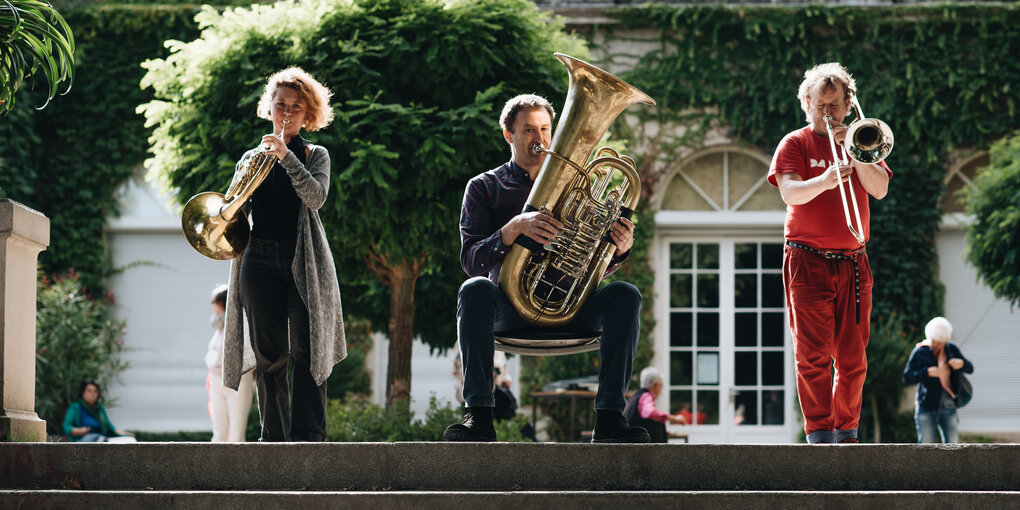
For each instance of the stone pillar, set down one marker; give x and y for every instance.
(23, 234)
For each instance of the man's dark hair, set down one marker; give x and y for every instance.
(522, 102)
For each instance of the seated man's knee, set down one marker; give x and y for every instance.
(476, 290)
(625, 294)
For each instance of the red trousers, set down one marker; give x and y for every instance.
(821, 300)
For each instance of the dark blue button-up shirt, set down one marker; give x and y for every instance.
(491, 200)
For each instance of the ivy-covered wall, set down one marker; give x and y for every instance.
(69, 159)
(942, 75)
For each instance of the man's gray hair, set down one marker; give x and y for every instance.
(938, 330)
(522, 102)
(829, 74)
(650, 376)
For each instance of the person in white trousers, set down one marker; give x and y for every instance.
(228, 408)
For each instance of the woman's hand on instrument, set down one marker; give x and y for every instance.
(622, 235)
(541, 226)
(276, 146)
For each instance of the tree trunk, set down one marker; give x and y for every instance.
(400, 278)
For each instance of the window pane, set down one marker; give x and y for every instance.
(708, 407)
(708, 368)
(708, 329)
(771, 255)
(745, 290)
(745, 255)
(773, 404)
(680, 256)
(772, 368)
(680, 368)
(680, 290)
(745, 368)
(772, 329)
(708, 290)
(745, 408)
(680, 402)
(772, 295)
(708, 256)
(745, 329)
(681, 329)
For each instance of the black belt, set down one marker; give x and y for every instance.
(850, 255)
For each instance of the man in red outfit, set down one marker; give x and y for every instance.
(825, 269)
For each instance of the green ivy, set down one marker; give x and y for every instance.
(941, 75)
(69, 159)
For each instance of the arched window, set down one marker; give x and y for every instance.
(721, 179)
(959, 177)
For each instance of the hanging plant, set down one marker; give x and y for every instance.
(34, 39)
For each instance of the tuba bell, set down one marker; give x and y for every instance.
(548, 284)
(214, 223)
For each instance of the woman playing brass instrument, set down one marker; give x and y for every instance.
(284, 281)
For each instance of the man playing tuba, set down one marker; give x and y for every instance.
(825, 268)
(490, 221)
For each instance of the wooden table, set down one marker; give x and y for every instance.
(572, 395)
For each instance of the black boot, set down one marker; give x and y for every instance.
(611, 427)
(477, 426)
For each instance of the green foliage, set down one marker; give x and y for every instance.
(76, 340)
(68, 160)
(994, 238)
(36, 43)
(940, 75)
(417, 89)
(358, 420)
(889, 346)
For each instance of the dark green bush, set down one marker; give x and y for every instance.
(356, 419)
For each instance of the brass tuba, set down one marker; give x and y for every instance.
(214, 223)
(548, 284)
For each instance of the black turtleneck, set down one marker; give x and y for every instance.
(275, 205)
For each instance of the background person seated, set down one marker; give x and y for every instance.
(86, 419)
(641, 410)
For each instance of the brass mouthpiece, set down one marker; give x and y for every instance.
(537, 149)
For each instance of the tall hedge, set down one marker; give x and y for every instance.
(69, 159)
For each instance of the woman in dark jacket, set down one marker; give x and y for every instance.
(935, 366)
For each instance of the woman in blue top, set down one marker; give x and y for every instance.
(86, 419)
(935, 366)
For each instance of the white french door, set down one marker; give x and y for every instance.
(722, 339)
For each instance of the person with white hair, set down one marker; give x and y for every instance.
(935, 366)
(642, 412)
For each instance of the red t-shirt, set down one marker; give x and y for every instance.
(821, 222)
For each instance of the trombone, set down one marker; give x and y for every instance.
(867, 141)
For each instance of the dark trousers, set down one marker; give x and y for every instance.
(482, 309)
(292, 406)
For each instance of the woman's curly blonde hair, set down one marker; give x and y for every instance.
(313, 95)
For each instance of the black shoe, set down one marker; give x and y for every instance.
(611, 427)
(477, 427)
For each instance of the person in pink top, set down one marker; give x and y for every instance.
(826, 272)
(641, 410)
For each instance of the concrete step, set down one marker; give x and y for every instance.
(507, 467)
(562, 500)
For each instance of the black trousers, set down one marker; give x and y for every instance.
(291, 405)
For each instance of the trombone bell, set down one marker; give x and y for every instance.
(868, 141)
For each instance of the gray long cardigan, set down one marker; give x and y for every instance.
(314, 275)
